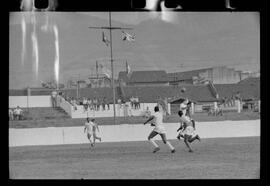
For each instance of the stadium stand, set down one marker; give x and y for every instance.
(246, 90)
(43, 113)
(203, 95)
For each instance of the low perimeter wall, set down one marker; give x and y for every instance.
(118, 133)
(29, 101)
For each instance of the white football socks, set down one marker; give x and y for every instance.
(170, 145)
(153, 142)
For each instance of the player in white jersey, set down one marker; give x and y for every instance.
(95, 130)
(91, 127)
(188, 130)
(158, 129)
(184, 106)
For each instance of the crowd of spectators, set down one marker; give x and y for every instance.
(95, 104)
(15, 114)
(135, 104)
(128, 105)
(215, 111)
(230, 101)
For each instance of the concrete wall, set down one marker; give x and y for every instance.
(120, 111)
(64, 105)
(118, 133)
(33, 101)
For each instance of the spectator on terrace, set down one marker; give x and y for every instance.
(73, 103)
(136, 103)
(10, 113)
(103, 103)
(53, 98)
(79, 101)
(225, 101)
(132, 102)
(18, 113)
(238, 97)
(89, 103)
(98, 103)
(128, 108)
(84, 102)
(106, 103)
(95, 103)
(233, 100)
(147, 113)
(119, 103)
(219, 111)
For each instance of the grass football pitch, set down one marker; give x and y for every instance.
(216, 158)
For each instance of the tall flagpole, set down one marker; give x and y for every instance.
(112, 68)
(111, 28)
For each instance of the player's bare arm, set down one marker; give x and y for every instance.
(181, 127)
(97, 128)
(149, 119)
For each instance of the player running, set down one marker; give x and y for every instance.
(158, 129)
(184, 106)
(183, 125)
(187, 130)
(92, 128)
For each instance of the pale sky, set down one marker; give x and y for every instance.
(177, 42)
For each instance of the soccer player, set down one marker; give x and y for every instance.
(158, 129)
(184, 106)
(95, 129)
(181, 129)
(88, 127)
(188, 130)
(91, 127)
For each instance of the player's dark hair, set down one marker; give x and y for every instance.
(156, 109)
(180, 113)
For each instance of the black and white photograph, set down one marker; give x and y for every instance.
(156, 94)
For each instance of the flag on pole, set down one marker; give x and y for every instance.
(105, 40)
(128, 37)
(128, 69)
(105, 71)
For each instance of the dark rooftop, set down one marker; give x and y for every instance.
(185, 75)
(247, 91)
(144, 76)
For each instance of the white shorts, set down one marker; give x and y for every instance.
(89, 133)
(160, 130)
(189, 131)
(181, 132)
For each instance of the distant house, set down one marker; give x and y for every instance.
(188, 77)
(217, 75)
(101, 81)
(250, 81)
(144, 78)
